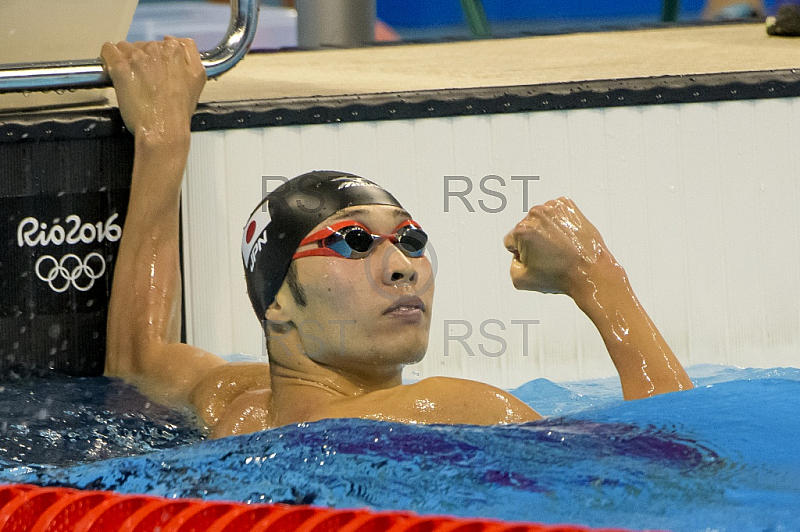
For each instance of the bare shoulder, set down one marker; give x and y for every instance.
(476, 402)
(216, 392)
(437, 400)
(247, 412)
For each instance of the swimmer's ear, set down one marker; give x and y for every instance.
(276, 315)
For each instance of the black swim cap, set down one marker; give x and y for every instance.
(287, 215)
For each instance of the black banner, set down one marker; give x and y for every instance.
(62, 205)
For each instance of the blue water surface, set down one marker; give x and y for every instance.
(48, 419)
(723, 456)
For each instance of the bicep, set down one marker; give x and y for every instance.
(172, 371)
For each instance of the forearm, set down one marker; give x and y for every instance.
(645, 363)
(158, 166)
(144, 311)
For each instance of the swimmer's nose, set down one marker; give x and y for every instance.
(395, 266)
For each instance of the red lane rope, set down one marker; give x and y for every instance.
(25, 508)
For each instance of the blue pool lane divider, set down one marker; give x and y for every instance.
(26, 508)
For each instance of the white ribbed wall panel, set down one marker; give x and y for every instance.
(699, 202)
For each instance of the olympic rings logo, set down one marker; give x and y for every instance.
(71, 270)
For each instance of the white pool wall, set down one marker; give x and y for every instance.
(699, 203)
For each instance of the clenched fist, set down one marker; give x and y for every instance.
(556, 249)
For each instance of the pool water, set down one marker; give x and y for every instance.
(49, 420)
(721, 457)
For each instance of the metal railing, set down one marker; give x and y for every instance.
(89, 73)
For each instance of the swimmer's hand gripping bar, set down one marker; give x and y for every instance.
(85, 74)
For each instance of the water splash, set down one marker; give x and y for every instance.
(54, 420)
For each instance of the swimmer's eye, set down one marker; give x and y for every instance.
(412, 240)
(357, 238)
(351, 240)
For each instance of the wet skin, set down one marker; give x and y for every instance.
(558, 251)
(365, 318)
(320, 367)
(355, 369)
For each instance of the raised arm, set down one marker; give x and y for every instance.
(158, 85)
(557, 250)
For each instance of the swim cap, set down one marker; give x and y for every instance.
(275, 228)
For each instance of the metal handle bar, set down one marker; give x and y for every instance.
(85, 74)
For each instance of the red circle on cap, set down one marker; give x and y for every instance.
(251, 229)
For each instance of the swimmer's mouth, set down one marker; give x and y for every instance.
(405, 304)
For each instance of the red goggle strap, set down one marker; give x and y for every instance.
(322, 252)
(322, 234)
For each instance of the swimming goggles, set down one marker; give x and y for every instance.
(351, 240)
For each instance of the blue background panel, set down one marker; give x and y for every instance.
(422, 13)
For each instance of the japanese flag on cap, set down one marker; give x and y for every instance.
(255, 235)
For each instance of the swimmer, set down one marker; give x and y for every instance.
(310, 269)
